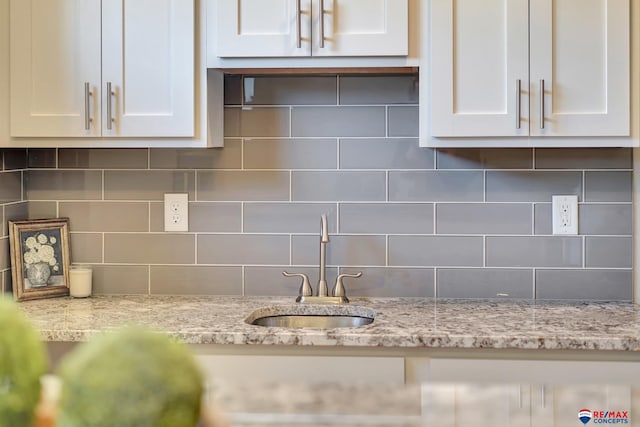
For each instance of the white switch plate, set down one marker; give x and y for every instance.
(565, 214)
(176, 212)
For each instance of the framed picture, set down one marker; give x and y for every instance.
(39, 258)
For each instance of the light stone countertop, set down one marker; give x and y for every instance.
(399, 322)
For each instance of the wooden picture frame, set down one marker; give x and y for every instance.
(39, 258)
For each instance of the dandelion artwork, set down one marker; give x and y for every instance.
(39, 258)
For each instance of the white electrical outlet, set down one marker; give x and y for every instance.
(564, 214)
(176, 212)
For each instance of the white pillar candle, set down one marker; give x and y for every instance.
(80, 282)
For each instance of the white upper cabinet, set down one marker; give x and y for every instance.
(110, 68)
(55, 67)
(286, 28)
(526, 69)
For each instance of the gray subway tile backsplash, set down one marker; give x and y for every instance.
(195, 280)
(362, 90)
(120, 279)
(607, 186)
(86, 247)
(435, 251)
(229, 157)
(485, 283)
(449, 223)
(290, 153)
(106, 216)
(256, 122)
(483, 218)
(239, 185)
(485, 158)
(338, 186)
(534, 186)
(290, 90)
(609, 252)
(287, 217)
(384, 153)
(615, 219)
(63, 184)
(386, 218)
(390, 282)
(241, 249)
(149, 248)
(103, 158)
(536, 251)
(403, 121)
(10, 187)
(363, 121)
(147, 184)
(606, 285)
(583, 158)
(436, 186)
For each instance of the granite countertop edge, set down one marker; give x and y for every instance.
(399, 322)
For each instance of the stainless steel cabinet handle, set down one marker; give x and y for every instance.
(518, 87)
(321, 24)
(87, 106)
(110, 93)
(543, 395)
(298, 25)
(541, 103)
(520, 396)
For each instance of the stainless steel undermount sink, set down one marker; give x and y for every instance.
(312, 316)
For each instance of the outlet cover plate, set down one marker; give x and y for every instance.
(176, 212)
(564, 214)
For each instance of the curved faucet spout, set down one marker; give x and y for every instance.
(323, 290)
(324, 229)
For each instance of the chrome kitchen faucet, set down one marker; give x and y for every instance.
(339, 294)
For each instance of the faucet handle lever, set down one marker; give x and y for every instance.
(305, 286)
(338, 289)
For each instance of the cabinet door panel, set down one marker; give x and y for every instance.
(360, 28)
(559, 405)
(148, 57)
(479, 54)
(458, 405)
(262, 28)
(580, 48)
(55, 49)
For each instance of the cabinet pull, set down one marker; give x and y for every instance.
(298, 25)
(87, 106)
(543, 395)
(520, 396)
(110, 93)
(321, 24)
(541, 103)
(518, 87)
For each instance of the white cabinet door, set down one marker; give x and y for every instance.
(55, 51)
(490, 59)
(148, 62)
(263, 28)
(289, 28)
(360, 28)
(560, 405)
(460, 405)
(142, 49)
(580, 50)
(479, 68)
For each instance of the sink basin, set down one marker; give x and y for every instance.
(312, 321)
(312, 316)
